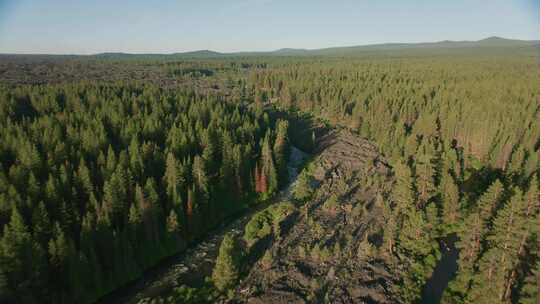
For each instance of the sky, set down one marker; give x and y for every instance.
(168, 26)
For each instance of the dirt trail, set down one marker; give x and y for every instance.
(197, 262)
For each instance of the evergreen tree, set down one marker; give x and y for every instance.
(425, 184)
(403, 191)
(172, 223)
(15, 253)
(302, 188)
(269, 178)
(42, 224)
(528, 225)
(173, 180)
(390, 231)
(59, 254)
(490, 283)
(472, 236)
(173, 229)
(450, 199)
(530, 293)
(199, 175)
(226, 270)
(280, 151)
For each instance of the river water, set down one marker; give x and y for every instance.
(443, 272)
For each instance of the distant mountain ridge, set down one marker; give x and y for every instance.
(494, 43)
(490, 42)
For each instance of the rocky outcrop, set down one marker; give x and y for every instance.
(329, 251)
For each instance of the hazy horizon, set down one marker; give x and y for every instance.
(265, 51)
(78, 27)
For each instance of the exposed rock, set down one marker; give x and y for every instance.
(317, 259)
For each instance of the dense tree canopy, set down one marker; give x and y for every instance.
(450, 127)
(98, 182)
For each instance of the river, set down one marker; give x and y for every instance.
(443, 272)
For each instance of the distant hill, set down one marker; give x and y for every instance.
(491, 45)
(494, 43)
(200, 54)
(194, 54)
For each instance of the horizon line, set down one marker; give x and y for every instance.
(264, 51)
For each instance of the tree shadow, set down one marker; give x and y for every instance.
(478, 180)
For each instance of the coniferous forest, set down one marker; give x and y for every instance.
(104, 175)
(99, 182)
(463, 138)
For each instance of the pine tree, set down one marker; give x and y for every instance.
(403, 191)
(173, 230)
(15, 249)
(494, 268)
(476, 225)
(42, 224)
(528, 222)
(226, 270)
(424, 181)
(172, 223)
(115, 194)
(111, 162)
(302, 188)
(417, 245)
(134, 217)
(173, 180)
(280, 151)
(530, 293)
(60, 252)
(269, 178)
(191, 205)
(414, 236)
(472, 236)
(210, 151)
(135, 158)
(450, 199)
(390, 231)
(199, 175)
(257, 175)
(52, 194)
(83, 175)
(33, 188)
(263, 181)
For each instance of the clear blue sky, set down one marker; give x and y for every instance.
(92, 26)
